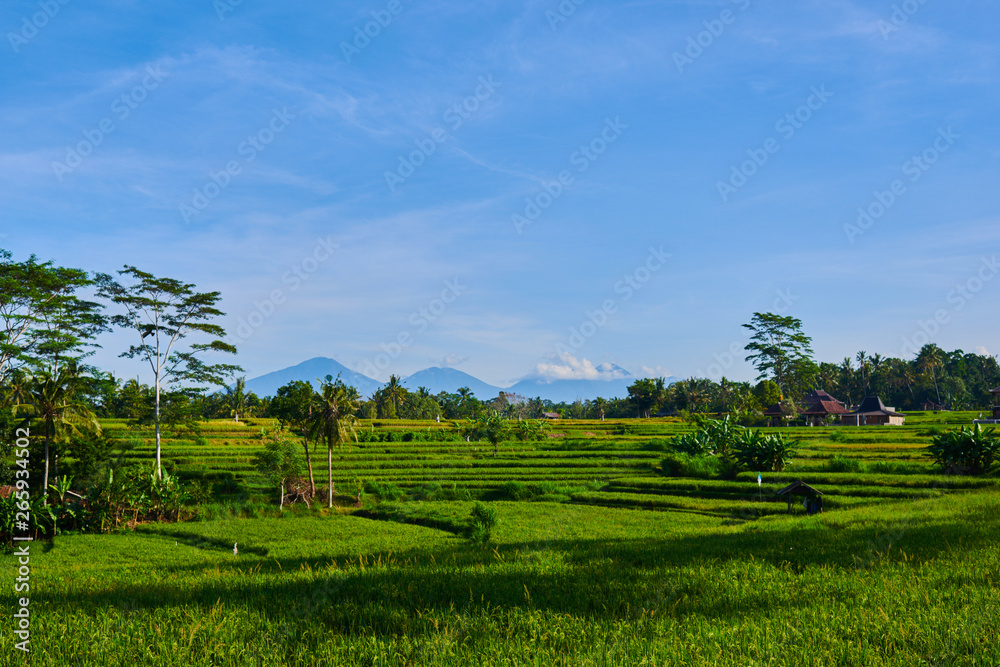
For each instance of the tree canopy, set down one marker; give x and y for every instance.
(780, 351)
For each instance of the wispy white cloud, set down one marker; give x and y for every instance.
(568, 367)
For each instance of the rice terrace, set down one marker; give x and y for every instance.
(596, 557)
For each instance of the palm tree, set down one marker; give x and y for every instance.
(333, 421)
(846, 377)
(904, 370)
(236, 397)
(395, 392)
(51, 398)
(862, 358)
(464, 394)
(875, 361)
(930, 358)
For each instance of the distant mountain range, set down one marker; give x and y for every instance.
(437, 379)
(312, 371)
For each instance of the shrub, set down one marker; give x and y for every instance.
(843, 464)
(685, 465)
(512, 491)
(692, 444)
(965, 451)
(658, 445)
(530, 430)
(482, 520)
(763, 452)
(386, 491)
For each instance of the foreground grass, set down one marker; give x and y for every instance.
(900, 583)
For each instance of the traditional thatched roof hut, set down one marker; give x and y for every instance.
(814, 497)
(778, 413)
(820, 406)
(872, 412)
(818, 395)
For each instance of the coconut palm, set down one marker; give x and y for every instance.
(333, 421)
(236, 398)
(51, 398)
(395, 392)
(862, 358)
(876, 361)
(930, 358)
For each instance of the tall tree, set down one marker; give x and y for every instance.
(778, 347)
(166, 311)
(929, 359)
(333, 421)
(42, 321)
(395, 392)
(645, 394)
(862, 358)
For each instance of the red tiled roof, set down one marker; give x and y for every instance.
(818, 395)
(825, 408)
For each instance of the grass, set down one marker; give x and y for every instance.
(562, 585)
(626, 567)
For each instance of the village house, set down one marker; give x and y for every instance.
(820, 407)
(872, 412)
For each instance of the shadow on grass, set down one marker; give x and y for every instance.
(609, 578)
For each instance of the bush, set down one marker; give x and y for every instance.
(434, 491)
(763, 452)
(692, 444)
(685, 465)
(530, 430)
(386, 491)
(538, 491)
(658, 445)
(512, 491)
(965, 451)
(843, 464)
(482, 520)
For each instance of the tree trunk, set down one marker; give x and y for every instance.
(281, 500)
(156, 418)
(312, 484)
(329, 469)
(45, 479)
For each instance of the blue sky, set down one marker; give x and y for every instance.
(518, 189)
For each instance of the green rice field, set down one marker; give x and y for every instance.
(597, 559)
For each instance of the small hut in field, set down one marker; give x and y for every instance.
(798, 489)
(872, 412)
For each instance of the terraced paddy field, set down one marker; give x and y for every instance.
(597, 559)
(613, 463)
(909, 582)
